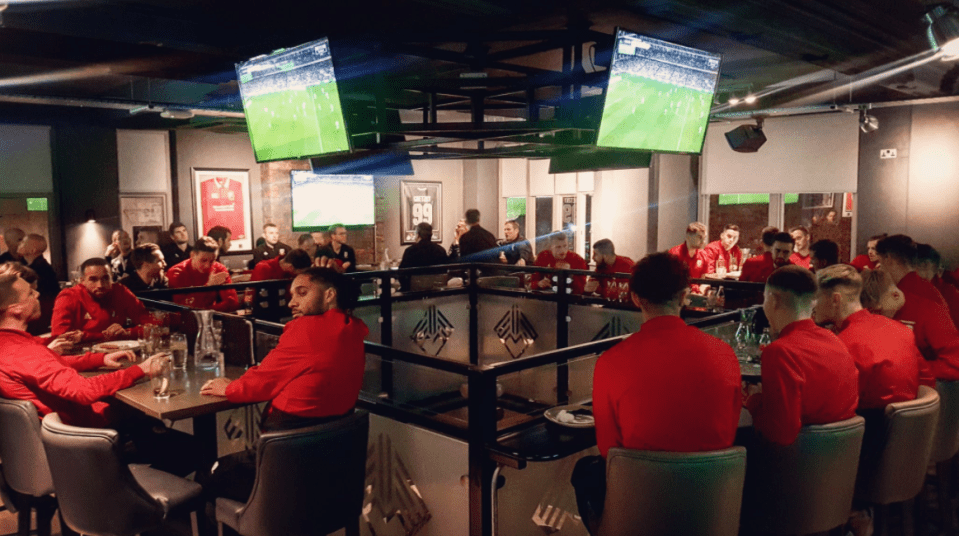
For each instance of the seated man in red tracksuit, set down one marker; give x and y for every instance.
(313, 376)
(285, 267)
(200, 270)
(640, 373)
(559, 257)
(758, 269)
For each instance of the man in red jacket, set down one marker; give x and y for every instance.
(559, 256)
(808, 375)
(287, 267)
(800, 256)
(884, 350)
(608, 262)
(726, 249)
(691, 250)
(928, 265)
(871, 259)
(97, 307)
(314, 375)
(200, 270)
(758, 269)
(639, 374)
(898, 255)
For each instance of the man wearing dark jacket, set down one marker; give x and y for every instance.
(477, 240)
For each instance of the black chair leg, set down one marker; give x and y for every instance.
(46, 507)
(353, 529)
(881, 521)
(947, 523)
(23, 520)
(908, 517)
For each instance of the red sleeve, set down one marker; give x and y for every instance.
(228, 301)
(777, 410)
(50, 376)
(943, 339)
(87, 361)
(542, 260)
(261, 272)
(265, 381)
(750, 271)
(710, 253)
(64, 309)
(579, 281)
(608, 433)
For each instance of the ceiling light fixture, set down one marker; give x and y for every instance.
(749, 99)
(733, 100)
(944, 30)
(867, 123)
(176, 114)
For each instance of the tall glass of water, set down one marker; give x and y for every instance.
(178, 348)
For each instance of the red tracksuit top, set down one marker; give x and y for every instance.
(861, 262)
(758, 269)
(75, 308)
(608, 287)
(697, 264)
(183, 275)
(715, 250)
(316, 370)
(936, 337)
(31, 371)
(268, 269)
(808, 378)
(572, 261)
(951, 295)
(667, 387)
(913, 285)
(886, 357)
(799, 260)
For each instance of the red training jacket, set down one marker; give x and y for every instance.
(609, 287)
(31, 371)
(951, 295)
(667, 387)
(76, 308)
(715, 250)
(936, 337)
(183, 275)
(800, 260)
(758, 269)
(697, 264)
(269, 269)
(572, 261)
(861, 262)
(808, 378)
(316, 370)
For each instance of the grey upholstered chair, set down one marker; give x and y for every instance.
(99, 494)
(894, 462)
(25, 468)
(673, 493)
(309, 481)
(945, 445)
(806, 487)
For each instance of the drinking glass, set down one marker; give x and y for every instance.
(178, 348)
(160, 372)
(160, 337)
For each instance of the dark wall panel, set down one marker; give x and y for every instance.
(884, 183)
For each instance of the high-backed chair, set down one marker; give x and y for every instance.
(99, 494)
(894, 460)
(309, 481)
(673, 493)
(945, 445)
(25, 468)
(806, 487)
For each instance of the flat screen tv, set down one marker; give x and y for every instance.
(659, 95)
(292, 104)
(322, 200)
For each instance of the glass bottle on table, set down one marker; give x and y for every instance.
(207, 351)
(720, 268)
(721, 298)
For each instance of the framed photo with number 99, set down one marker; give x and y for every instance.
(420, 202)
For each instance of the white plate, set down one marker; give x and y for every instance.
(115, 346)
(579, 421)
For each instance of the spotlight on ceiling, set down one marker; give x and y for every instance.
(749, 99)
(176, 114)
(944, 30)
(747, 138)
(867, 123)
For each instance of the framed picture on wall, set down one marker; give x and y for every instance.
(420, 202)
(222, 197)
(142, 210)
(817, 200)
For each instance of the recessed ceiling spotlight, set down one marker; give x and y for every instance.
(733, 101)
(750, 99)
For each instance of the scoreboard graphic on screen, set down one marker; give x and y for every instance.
(420, 202)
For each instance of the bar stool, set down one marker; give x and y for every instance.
(309, 481)
(25, 468)
(99, 494)
(806, 487)
(673, 493)
(892, 468)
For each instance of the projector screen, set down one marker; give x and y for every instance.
(322, 200)
(292, 103)
(659, 95)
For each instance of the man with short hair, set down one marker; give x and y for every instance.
(800, 257)
(271, 247)
(758, 269)
(898, 255)
(338, 250)
(765, 242)
(639, 373)
(424, 252)
(97, 307)
(691, 251)
(31, 252)
(222, 236)
(304, 382)
(871, 259)
(12, 238)
(884, 350)
(559, 257)
(148, 265)
(726, 249)
(200, 270)
(823, 253)
(608, 262)
(808, 375)
(477, 240)
(178, 248)
(287, 267)
(120, 265)
(515, 249)
(928, 266)
(307, 244)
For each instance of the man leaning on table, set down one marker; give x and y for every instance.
(313, 376)
(699, 413)
(31, 371)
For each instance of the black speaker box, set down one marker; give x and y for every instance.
(746, 138)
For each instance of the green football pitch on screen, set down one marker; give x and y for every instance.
(296, 123)
(641, 113)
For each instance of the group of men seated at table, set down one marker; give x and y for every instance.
(845, 343)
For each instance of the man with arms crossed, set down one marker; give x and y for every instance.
(97, 307)
(202, 270)
(639, 373)
(313, 376)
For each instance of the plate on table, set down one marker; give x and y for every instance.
(572, 416)
(115, 346)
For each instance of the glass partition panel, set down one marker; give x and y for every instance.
(514, 327)
(437, 326)
(528, 393)
(370, 315)
(589, 323)
(420, 388)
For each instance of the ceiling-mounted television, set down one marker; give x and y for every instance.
(659, 95)
(292, 104)
(323, 200)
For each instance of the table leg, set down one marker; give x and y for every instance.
(204, 431)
